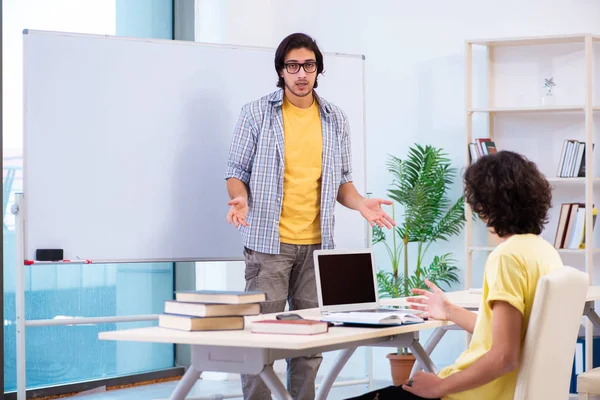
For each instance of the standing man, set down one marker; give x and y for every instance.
(289, 161)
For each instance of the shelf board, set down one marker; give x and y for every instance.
(568, 251)
(534, 109)
(576, 251)
(534, 40)
(481, 248)
(555, 179)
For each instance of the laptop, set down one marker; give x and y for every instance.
(346, 280)
(347, 285)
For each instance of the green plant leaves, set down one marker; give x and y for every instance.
(419, 185)
(442, 270)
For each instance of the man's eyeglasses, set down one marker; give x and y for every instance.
(294, 67)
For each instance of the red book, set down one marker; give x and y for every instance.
(289, 327)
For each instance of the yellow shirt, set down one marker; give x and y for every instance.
(511, 274)
(303, 150)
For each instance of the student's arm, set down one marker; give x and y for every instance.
(436, 305)
(464, 318)
(503, 356)
(506, 282)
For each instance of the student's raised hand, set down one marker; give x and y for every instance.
(434, 303)
(425, 385)
(238, 211)
(371, 210)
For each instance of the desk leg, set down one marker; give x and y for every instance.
(333, 373)
(422, 357)
(432, 342)
(272, 381)
(186, 383)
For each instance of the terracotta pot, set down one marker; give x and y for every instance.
(401, 367)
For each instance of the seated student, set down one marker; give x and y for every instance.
(510, 194)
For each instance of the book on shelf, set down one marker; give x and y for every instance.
(289, 327)
(571, 163)
(210, 309)
(570, 230)
(220, 296)
(481, 147)
(193, 324)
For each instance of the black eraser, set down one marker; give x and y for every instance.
(49, 254)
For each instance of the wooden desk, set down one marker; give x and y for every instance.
(249, 353)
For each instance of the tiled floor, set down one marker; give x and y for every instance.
(215, 390)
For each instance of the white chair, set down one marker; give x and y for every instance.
(549, 348)
(588, 383)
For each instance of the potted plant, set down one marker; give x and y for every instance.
(419, 186)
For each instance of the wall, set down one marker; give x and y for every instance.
(92, 16)
(145, 18)
(415, 71)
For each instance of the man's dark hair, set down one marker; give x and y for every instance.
(508, 192)
(292, 42)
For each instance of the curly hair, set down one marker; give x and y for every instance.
(509, 193)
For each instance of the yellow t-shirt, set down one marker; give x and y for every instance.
(303, 150)
(511, 274)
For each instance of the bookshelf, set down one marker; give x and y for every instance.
(533, 109)
(505, 96)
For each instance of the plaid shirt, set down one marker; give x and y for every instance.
(256, 158)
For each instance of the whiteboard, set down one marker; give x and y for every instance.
(126, 143)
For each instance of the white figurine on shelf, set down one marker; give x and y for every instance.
(548, 98)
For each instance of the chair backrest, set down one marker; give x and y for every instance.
(549, 348)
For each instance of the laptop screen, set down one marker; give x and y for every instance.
(346, 279)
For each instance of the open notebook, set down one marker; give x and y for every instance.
(392, 318)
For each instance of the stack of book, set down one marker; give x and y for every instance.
(210, 310)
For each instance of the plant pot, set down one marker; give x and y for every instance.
(401, 367)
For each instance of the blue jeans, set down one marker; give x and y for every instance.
(285, 277)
